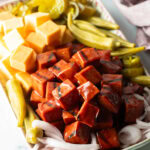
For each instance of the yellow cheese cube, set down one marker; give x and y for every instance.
(4, 16)
(35, 19)
(13, 39)
(62, 32)
(50, 31)
(36, 41)
(23, 59)
(25, 80)
(12, 23)
(3, 49)
(68, 37)
(24, 32)
(6, 68)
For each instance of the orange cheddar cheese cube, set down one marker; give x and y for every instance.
(36, 41)
(35, 19)
(4, 52)
(68, 37)
(24, 32)
(23, 59)
(40, 79)
(50, 31)
(13, 39)
(4, 16)
(25, 79)
(12, 23)
(6, 68)
(62, 33)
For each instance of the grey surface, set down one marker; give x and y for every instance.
(130, 32)
(128, 29)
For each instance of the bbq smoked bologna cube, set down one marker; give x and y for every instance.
(35, 99)
(86, 56)
(63, 53)
(58, 67)
(59, 125)
(108, 139)
(64, 70)
(49, 88)
(68, 117)
(40, 79)
(133, 108)
(88, 114)
(45, 60)
(109, 99)
(88, 91)
(104, 119)
(49, 111)
(104, 54)
(89, 73)
(114, 80)
(77, 133)
(66, 95)
(109, 67)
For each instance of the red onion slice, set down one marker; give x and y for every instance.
(130, 135)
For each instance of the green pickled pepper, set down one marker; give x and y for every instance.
(131, 61)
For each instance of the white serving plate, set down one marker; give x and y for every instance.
(104, 14)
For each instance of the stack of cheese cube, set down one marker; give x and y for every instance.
(22, 38)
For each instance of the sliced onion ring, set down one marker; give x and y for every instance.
(130, 135)
(142, 124)
(50, 129)
(67, 146)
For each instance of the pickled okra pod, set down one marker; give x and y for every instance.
(131, 61)
(31, 133)
(88, 38)
(17, 100)
(143, 80)
(127, 51)
(103, 23)
(133, 72)
(123, 42)
(84, 25)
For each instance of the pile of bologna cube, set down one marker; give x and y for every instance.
(81, 90)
